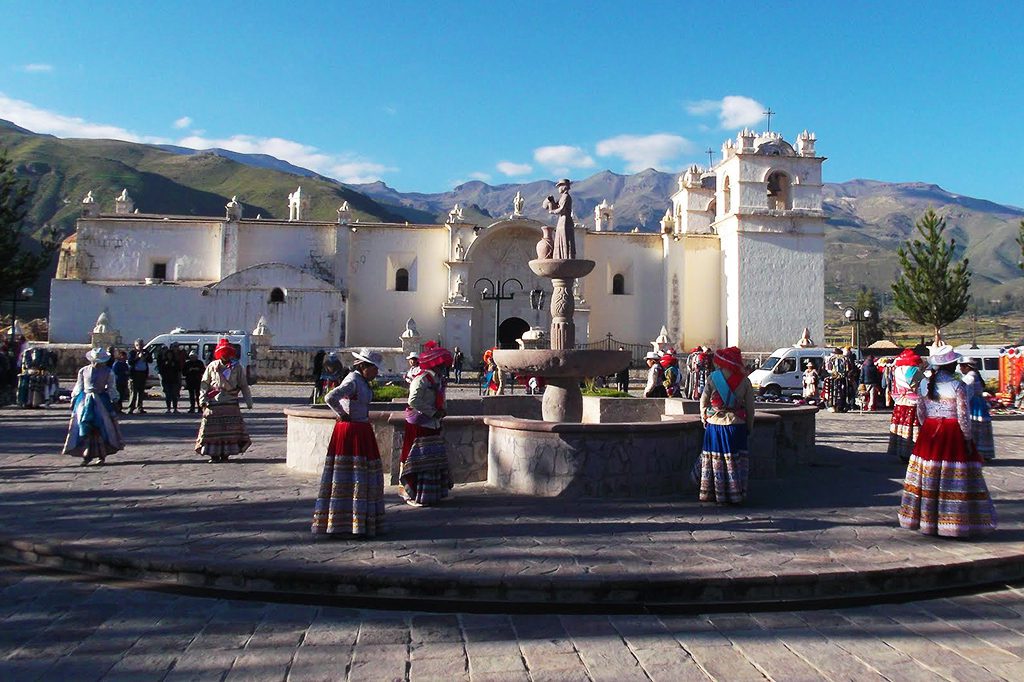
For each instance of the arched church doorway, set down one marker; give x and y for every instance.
(510, 331)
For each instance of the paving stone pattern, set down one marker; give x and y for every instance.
(158, 501)
(56, 628)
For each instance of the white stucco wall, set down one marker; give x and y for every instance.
(376, 312)
(297, 243)
(776, 287)
(638, 316)
(311, 315)
(703, 304)
(126, 248)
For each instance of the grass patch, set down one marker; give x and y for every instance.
(605, 393)
(388, 393)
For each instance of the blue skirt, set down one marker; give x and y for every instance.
(981, 427)
(724, 464)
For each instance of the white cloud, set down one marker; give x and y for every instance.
(734, 111)
(348, 168)
(389, 110)
(41, 121)
(37, 68)
(482, 177)
(645, 151)
(183, 122)
(511, 168)
(562, 156)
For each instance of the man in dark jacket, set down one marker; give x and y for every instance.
(139, 360)
(170, 366)
(193, 372)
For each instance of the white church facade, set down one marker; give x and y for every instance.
(739, 261)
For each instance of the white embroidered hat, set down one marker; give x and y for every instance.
(943, 355)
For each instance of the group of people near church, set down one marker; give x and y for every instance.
(95, 432)
(667, 377)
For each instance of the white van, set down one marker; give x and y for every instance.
(988, 356)
(782, 373)
(203, 343)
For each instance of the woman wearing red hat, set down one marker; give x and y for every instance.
(906, 380)
(424, 476)
(727, 412)
(222, 432)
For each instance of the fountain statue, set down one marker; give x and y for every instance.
(563, 366)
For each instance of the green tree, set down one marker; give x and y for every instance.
(19, 267)
(931, 289)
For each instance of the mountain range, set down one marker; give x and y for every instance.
(867, 220)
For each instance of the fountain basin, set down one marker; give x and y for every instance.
(562, 363)
(551, 268)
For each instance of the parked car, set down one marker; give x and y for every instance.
(781, 373)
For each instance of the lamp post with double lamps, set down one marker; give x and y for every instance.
(498, 287)
(855, 316)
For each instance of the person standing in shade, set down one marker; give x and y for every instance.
(318, 369)
(139, 360)
(222, 431)
(169, 366)
(810, 382)
(981, 418)
(622, 377)
(351, 496)
(424, 475)
(727, 412)
(871, 379)
(193, 374)
(944, 492)
(93, 432)
(458, 360)
(122, 376)
(655, 387)
(906, 383)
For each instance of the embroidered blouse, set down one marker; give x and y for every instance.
(351, 398)
(95, 379)
(423, 399)
(906, 384)
(952, 402)
(223, 382)
(974, 386)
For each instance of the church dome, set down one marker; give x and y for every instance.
(775, 147)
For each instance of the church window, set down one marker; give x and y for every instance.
(779, 196)
(401, 280)
(277, 295)
(618, 285)
(159, 270)
(726, 196)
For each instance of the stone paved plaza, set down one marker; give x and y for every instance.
(159, 510)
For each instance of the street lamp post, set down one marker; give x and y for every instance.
(854, 317)
(498, 287)
(24, 294)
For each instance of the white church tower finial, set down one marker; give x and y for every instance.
(123, 204)
(604, 217)
(298, 206)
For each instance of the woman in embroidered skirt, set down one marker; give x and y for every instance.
(351, 497)
(93, 433)
(981, 419)
(944, 492)
(424, 475)
(727, 412)
(222, 432)
(906, 382)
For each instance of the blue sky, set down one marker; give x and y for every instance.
(426, 95)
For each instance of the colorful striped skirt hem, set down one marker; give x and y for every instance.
(425, 476)
(351, 496)
(724, 464)
(903, 431)
(944, 492)
(222, 432)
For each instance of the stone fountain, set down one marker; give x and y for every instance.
(563, 366)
